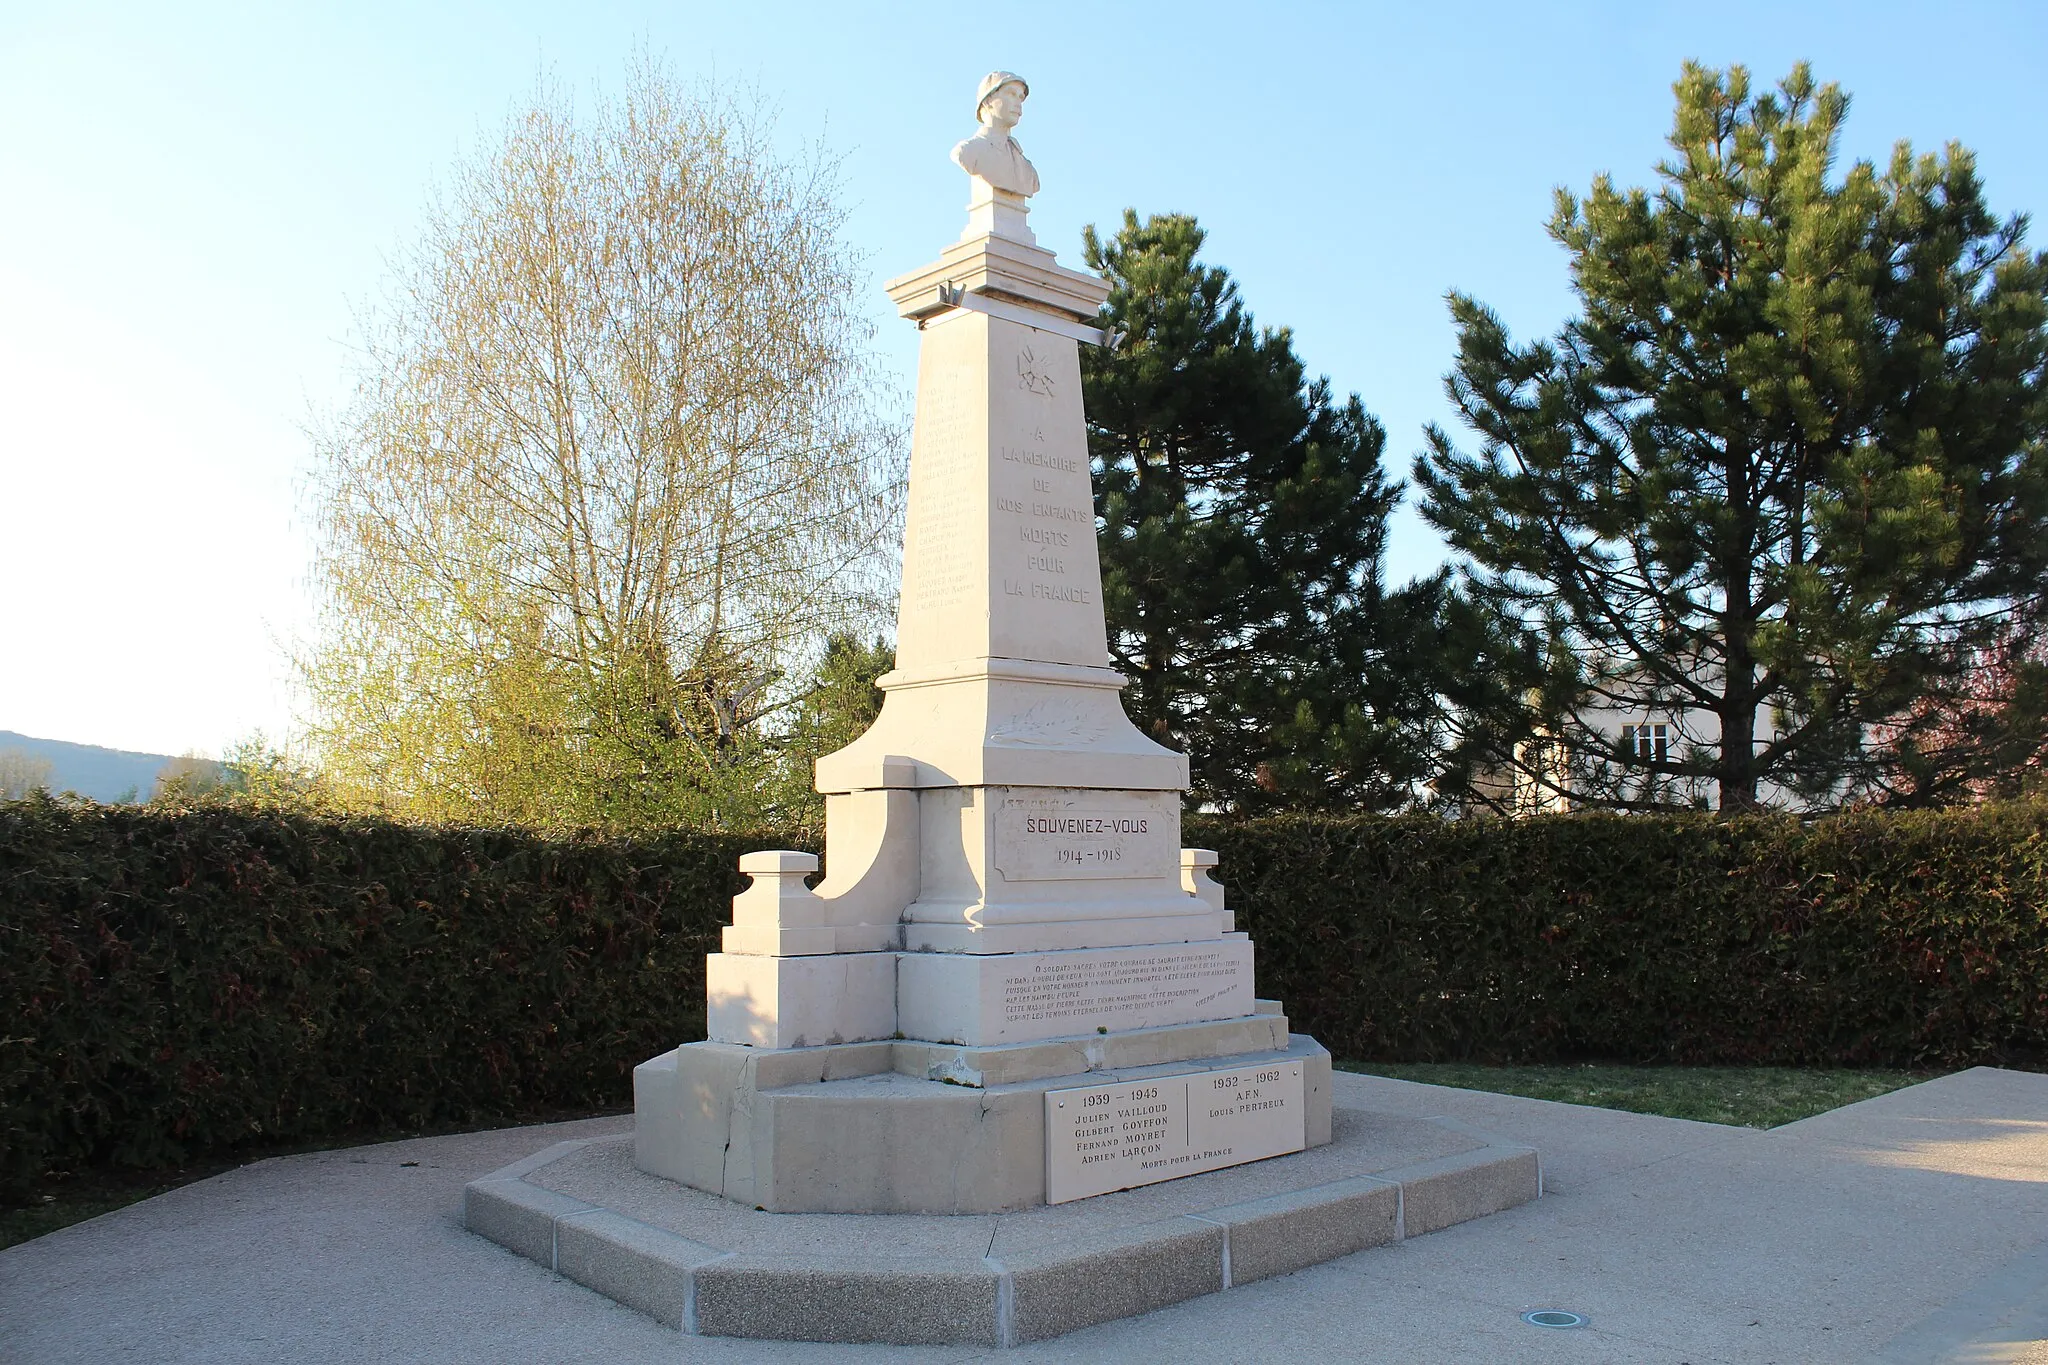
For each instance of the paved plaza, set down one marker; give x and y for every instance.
(1912, 1227)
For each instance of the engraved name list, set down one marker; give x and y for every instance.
(1121, 1135)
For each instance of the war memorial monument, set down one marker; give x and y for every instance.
(1002, 1073)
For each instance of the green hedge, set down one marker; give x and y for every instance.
(1880, 939)
(182, 983)
(186, 983)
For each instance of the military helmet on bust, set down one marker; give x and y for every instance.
(994, 81)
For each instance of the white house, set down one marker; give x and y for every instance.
(1598, 764)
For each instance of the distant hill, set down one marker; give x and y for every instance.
(101, 774)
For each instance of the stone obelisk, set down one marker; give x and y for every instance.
(1049, 821)
(1007, 909)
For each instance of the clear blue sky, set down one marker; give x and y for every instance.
(198, 196)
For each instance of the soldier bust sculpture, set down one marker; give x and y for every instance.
(992, 155)
(999, 176)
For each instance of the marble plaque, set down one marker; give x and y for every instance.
(1047, 995)
(1123, 1134)
(996, 998)
(1084, 835)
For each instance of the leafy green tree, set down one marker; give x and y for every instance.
(271, 774)
(253, 771)
(837, 707)
(1244, 526)
(842, 701)
(1781, 478)
(188, 777)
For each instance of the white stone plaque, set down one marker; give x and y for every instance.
(1123, 988)
(1060, 838)
(1123, 1134)
(1022, 997)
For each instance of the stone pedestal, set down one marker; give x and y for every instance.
(912, 1127)
(1046, 820)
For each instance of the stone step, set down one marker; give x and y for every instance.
(706, 1266)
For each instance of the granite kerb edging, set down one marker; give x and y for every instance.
(991, 1300)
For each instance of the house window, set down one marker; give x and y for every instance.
(1649, 743)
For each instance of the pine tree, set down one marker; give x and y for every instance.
(1244, 525)
(836, 708)
(1782, 477)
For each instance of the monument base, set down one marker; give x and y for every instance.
(700, 1264)
(919, 1127)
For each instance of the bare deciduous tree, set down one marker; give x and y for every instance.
(21, 772)
(613, 471)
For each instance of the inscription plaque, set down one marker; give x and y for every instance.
(995, 998)
(1123, 1134)
(940, 568)
(1048, 995)
(1050, 839)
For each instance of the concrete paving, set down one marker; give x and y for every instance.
(1908, 1228)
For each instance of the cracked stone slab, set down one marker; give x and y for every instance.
(712, 1267)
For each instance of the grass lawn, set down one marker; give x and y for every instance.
(1746, 1096)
